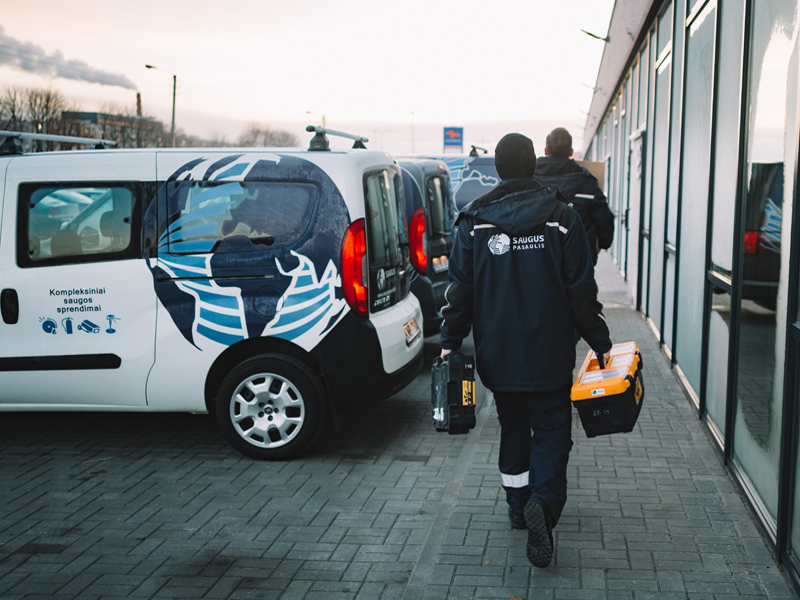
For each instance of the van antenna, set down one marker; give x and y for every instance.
(320, 140)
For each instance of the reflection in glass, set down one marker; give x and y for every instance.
(756, 444)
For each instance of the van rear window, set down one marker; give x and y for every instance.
(237, 216)
(385, 217)
(442, 210)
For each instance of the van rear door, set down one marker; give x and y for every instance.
(441, 211)
(387, 238)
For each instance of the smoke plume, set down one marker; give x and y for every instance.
(33, 58)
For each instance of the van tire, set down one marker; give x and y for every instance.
(271, 407)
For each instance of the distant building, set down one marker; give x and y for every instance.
(695, 116)
(129, 131)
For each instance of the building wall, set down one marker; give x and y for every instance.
(700, 142)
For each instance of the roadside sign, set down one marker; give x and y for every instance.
(454, 139)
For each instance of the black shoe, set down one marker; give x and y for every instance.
(517, 519)
(540, 536)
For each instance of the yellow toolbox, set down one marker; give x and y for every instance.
(609, 400)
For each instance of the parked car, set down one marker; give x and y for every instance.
(267, 287)
(431, 215)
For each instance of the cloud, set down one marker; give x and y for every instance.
(32, 58)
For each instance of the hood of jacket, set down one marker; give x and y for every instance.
(565, 173)
(516, 205)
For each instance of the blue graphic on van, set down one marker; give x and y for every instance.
(308, 307)
(49, 326)
(89, 327)
(226, 226)
(470, 177)
(111, 320)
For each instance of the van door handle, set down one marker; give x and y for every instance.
(9, 306)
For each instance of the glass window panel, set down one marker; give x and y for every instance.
(237, 216)
(659, 189)
(664, 29)
(634, 102)
(717, 367)
(727, 133)
(694, 194)
(756, 444)
(675, 128)
(645, 283)
(644, 80)
(794, 540)
(76, 222)
(692, 4)
(669, 300)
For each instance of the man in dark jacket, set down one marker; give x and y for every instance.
(579, 188)
(521, 274)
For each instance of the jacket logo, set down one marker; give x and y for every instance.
(499, 244)
(530, 242)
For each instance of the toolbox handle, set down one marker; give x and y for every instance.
(600, 362)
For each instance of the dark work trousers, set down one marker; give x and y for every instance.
(535, 465)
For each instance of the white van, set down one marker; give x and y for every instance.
(264, 286)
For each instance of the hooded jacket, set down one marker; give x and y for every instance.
(582, 192)
(521, 275)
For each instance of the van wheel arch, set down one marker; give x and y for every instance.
(242, 351)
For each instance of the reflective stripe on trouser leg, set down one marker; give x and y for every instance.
(515, 449)
(514, 481)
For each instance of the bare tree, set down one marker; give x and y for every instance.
(12, 109)
(259, 134)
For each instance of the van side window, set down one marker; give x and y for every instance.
(237, 216)
(77, 222)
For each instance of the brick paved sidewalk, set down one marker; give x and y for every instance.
(158, 506)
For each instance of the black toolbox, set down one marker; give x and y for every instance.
(453, 393)
(609, 400)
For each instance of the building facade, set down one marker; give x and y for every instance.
(695, 115)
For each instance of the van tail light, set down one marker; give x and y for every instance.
(419, 255)
(354, 267)
(750, 242)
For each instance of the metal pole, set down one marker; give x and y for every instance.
(174, 86)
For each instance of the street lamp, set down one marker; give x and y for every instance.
(174, 86)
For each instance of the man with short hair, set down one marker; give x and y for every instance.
(579, 188)
(521, 275)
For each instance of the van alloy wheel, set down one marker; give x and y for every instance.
(271, 407)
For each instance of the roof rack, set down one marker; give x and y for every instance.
(320, 140)
(11, 144)
(474, 151)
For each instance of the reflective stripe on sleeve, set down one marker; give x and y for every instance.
(514, 481)
(482, 226)
(589, 196)
(561, 228)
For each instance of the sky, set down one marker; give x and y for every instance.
(397, 72)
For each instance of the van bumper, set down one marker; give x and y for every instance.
(351, 360)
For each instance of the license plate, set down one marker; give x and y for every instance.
(441, 263)
(411, 330)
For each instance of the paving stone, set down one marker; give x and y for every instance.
(158, 506)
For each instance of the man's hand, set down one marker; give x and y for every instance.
(445, 353)
(606, 358)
